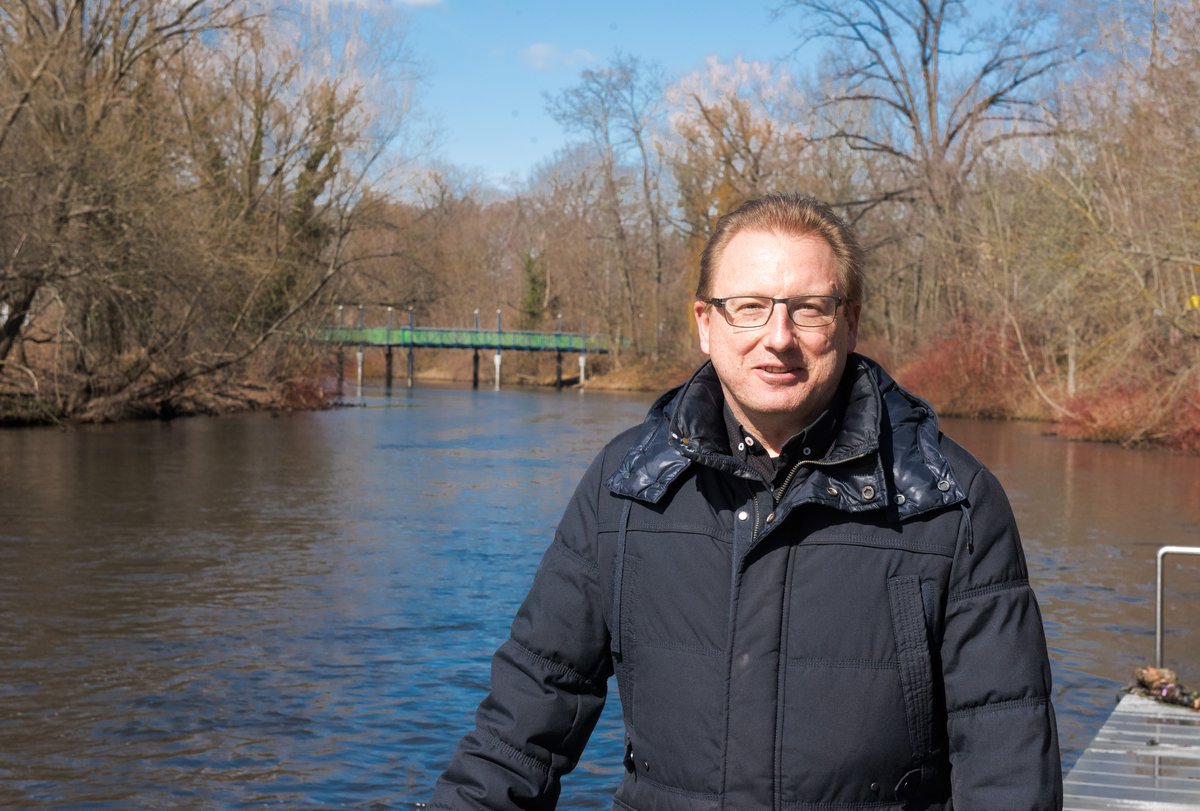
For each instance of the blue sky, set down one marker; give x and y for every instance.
(488, 63)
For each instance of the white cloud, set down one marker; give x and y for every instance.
(545, 56)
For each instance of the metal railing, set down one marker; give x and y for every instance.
(1158, 600)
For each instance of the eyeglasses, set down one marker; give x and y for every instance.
(749, 312)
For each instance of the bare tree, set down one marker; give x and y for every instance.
(926, 90)
(939, 90)
(178, 191)
(737, 130)
(613, 108)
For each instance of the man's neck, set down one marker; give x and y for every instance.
(773, 434)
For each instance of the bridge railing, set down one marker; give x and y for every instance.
(435, 337)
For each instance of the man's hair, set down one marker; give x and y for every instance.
(794, 215)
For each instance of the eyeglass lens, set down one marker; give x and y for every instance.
(805, 311)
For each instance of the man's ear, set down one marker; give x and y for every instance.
(853, 311)
(703, 313)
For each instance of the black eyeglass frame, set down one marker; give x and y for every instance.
(719, 303)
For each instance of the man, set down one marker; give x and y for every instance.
(811, 598)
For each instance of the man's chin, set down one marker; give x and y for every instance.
(782, 403)
(799, 397)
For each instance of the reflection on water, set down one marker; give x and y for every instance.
(1092, 518)
(300, 610)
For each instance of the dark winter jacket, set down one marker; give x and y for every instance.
(868, 642)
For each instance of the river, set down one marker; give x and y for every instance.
(298, 610)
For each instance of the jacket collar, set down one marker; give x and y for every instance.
(885, 455)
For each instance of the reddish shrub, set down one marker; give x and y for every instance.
(967, 373)
(1137, 412)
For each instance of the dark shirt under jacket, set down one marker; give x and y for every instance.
(786, 469)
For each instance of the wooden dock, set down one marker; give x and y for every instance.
(1145, 757)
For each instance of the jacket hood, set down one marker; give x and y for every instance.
(884, 455)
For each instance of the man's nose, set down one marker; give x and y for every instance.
(780, 332)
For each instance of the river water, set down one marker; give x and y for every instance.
(298, 611)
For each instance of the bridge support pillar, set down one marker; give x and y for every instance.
(496, 360)
(388, 370)
(411, 363)
(358, 376)
(475, 370)
(582, 369)
(558, 384)
(341, 369)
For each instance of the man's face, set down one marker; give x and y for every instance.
(778, 377)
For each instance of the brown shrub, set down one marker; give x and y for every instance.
(965, 372)
(1139, 411)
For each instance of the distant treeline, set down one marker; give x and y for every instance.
(189, 189)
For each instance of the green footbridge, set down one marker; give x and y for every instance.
(411, 338)
(439, 338)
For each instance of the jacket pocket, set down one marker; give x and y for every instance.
(913, 660)
(624, 642)
(619, 619)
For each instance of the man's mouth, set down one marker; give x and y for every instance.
(779, 370)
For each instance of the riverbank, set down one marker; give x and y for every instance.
(201, 398)
(1135, 414)
(962, 380)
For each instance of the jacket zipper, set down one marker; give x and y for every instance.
(757, 516)
(778, 493)
(776, 496)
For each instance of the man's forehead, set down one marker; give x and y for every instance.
(745, 235)
(745, 243)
